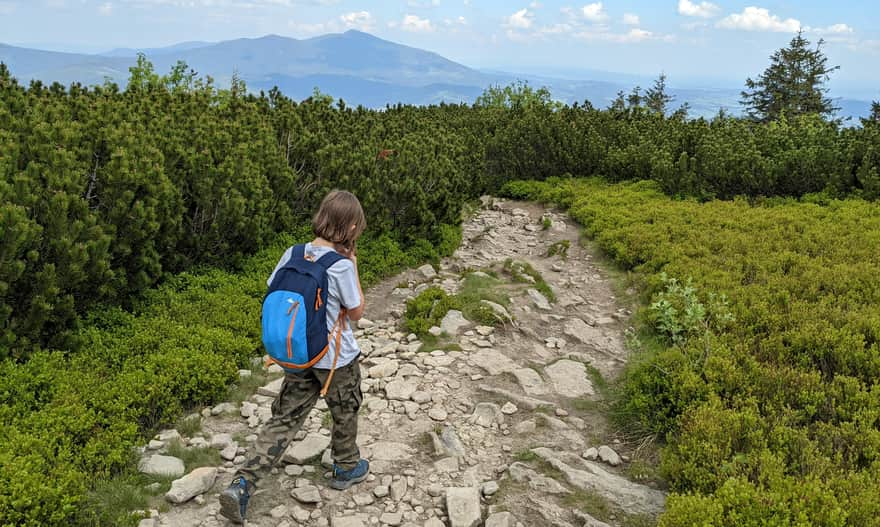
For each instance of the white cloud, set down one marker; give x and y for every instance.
(522, 19)
(105, 9)
(631, 19)
(633, 36)
(594, 12)
(834, 29)
(362, 20)
(458, 21)
(759, 19)
(555, 29)
(416, 24)
(701, 10)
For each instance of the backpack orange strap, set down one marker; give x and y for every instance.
(338, 326)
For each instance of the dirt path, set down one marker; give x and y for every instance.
(497, 426)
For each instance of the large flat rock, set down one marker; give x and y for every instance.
(530, 381)
(188, 487)
(494, 362)
(311, 447)
(272, 389)
(594, 337)
(522, 473)
(158, 465)
(356, 520)
(632, 498)
(453, 322)
(539, 300)
(569, 378)
(400, 390)
(463, 506)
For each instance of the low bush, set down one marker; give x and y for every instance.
(71, 421)
(427, 309)
(768, 389)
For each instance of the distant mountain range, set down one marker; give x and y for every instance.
(354, 66)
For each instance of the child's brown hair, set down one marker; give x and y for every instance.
(339, 210)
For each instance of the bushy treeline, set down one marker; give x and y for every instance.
(104, 191)
(766, 380)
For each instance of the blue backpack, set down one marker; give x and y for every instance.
(294, 315)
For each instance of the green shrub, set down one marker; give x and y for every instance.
(678, 314)
(427, 309)
(71, 420)
(768, 401)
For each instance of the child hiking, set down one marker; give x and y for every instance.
(313, 293)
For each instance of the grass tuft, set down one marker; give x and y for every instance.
(524, 273)
(559, 248)
(189, 425)
(194, 457)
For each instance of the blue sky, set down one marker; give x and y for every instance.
(694, 41)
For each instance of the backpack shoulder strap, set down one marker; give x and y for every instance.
(329, 259)
(299, 252)
(297, 256)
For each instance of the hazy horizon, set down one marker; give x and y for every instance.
(696, 43)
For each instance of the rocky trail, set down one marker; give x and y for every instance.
(497, 426)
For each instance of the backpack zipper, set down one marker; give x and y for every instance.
(294, 307)
(318, 302)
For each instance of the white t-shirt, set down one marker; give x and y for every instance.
(342, 289)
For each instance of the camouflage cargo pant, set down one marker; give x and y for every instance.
(298, 396)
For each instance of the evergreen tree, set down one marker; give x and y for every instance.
(682, 113)
(875, 113)
(656, 98)
(619, 102)
(635, 97)
(793, 84)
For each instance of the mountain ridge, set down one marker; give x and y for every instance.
(359, 67)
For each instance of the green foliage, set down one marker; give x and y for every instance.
(474, 290)
(113, 502)
(768, 400)
(189, 425)
(517, 96)
(71, 420)
(195, 457)
(431, 305)
(656, 98)
(678, 314)
(524, 273)
(559, 248)
(106, 194)
(427, 309)
(793, 84)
